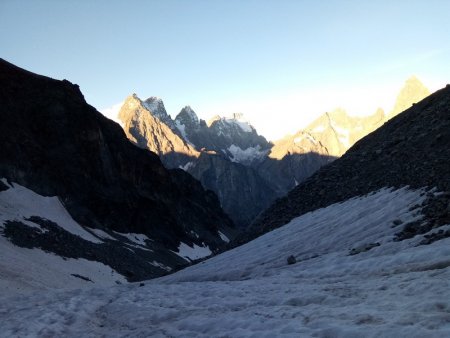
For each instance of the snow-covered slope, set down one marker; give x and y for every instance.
(24, 269)
(43, 247)
(350, 279)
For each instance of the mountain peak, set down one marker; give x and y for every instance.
(413, 91)
(187, 115)
(338, 114)
(156, 106)
(237, 116)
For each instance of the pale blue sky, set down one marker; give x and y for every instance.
(267, 59)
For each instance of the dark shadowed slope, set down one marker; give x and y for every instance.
(55, 144)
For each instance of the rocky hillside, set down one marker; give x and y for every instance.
(411, 149)
(55, 144)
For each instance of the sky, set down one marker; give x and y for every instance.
(280, 63)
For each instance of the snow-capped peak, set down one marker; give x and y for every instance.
(187, 114)
(233, 119)
(156, 106)
(238, 118)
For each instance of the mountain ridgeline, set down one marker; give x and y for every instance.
(412, 149)
(229, 157)
(55, 144)
(221, 154)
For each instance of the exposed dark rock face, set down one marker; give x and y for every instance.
(411, 149)
(293, 168)
(128, 260)
(243, 194)
(54, 143)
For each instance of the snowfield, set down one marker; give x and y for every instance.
(394, 289)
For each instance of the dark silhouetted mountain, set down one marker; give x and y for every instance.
(55, 144)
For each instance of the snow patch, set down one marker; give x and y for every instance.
(307, 136)
(247, 155)
(318, 129)
(161, 266)
(19, 203)
(223, 237)
(343, 134)
(187, 166)
(29, 270)
(194, 252)
(153, 104)
(182, 129)
(102, 234)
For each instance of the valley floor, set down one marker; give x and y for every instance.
(393, 289)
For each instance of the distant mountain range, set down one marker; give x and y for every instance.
(230, 158)
(411, 149)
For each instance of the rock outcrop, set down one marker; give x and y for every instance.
(55, 144)
(147, 124)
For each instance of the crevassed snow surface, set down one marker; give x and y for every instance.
(396, 289)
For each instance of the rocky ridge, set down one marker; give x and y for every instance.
(55, 144)
(154, 130)
(329, 137)
(411, 149)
